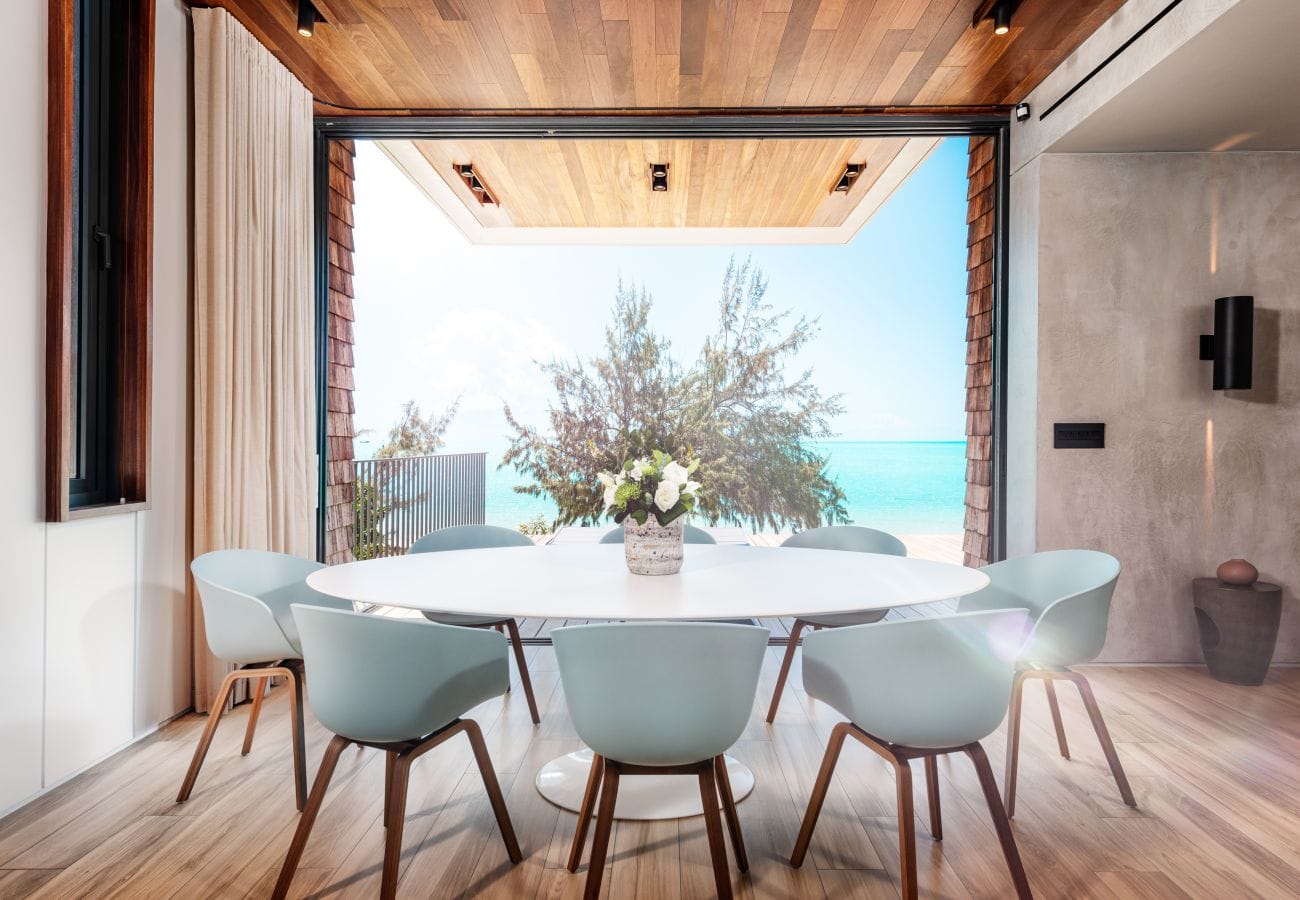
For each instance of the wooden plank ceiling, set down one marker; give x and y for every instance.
(427, 55)
(712, 183)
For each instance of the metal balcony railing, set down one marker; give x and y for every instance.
(402, 499)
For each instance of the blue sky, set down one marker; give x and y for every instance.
(438, 317)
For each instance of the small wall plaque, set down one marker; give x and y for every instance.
(1079, 435)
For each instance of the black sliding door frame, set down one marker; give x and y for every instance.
(756, 125)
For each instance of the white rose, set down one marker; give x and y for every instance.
(667, 496)
(606, 479)
(676, 473)
(638, 469)
(692, 488)
(610, 493)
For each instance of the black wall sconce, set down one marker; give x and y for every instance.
(1232, 344)
(659, 176)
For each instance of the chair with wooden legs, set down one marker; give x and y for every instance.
(401, 687)
(918, 689)
(246, 595)
(853, 538)
(659, 698)
(1067, 593)
(476, 537)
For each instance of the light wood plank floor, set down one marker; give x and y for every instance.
(1216, 770)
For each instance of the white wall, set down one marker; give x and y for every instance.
(94, 623)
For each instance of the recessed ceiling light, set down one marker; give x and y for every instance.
(847, 177)
(659, 176)
(475, 184)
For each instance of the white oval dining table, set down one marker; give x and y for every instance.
(591, 581)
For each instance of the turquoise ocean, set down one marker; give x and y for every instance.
(905, 487)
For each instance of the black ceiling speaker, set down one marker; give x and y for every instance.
(1232, 346)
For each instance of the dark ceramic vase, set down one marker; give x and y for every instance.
(1237, 572)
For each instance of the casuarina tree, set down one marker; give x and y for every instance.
(736, 407)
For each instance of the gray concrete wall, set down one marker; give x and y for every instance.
(1132, 250)
(1022, 361)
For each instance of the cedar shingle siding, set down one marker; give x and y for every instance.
(979, 350)
(340, 491)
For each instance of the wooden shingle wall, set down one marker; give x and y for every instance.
(979, 350)
(340, 490)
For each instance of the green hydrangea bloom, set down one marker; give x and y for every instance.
(626, 492)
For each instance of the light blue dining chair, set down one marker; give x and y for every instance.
(917, 689)
(478, 537)
(1068, 594)
(853, 538)
(659, 698)
(400, 686)
(245, 595)
(690, 535)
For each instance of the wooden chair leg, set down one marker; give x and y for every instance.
(932, 795)
(390, 760)
(396, 822)
(258, 687)
(906, 829)
(1013, 742)
(296, 687)
(1103, 736)
(493, 788)
(513, 627)
(201, 751)
(308, 818)
(604, 825)
(818, 797)
(1056, 717)
(713, 828)
(1001, 823)
(786, 662)
(729, 812)
(585, 811)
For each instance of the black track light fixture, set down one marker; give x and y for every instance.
(308, 16)
(1000, 11)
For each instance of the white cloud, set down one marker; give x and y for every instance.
(485, 357)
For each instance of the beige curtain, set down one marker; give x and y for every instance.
(254, 314)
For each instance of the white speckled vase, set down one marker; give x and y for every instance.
(653, 549)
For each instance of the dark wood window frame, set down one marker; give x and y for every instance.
(99, 257)
(946, 122)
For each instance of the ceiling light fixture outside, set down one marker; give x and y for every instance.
(659, 176)
(847, 177)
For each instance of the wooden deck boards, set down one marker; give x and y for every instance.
(1215, 769)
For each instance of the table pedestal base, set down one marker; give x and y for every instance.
(563, 781)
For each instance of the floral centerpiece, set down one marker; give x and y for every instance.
(649, 497)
